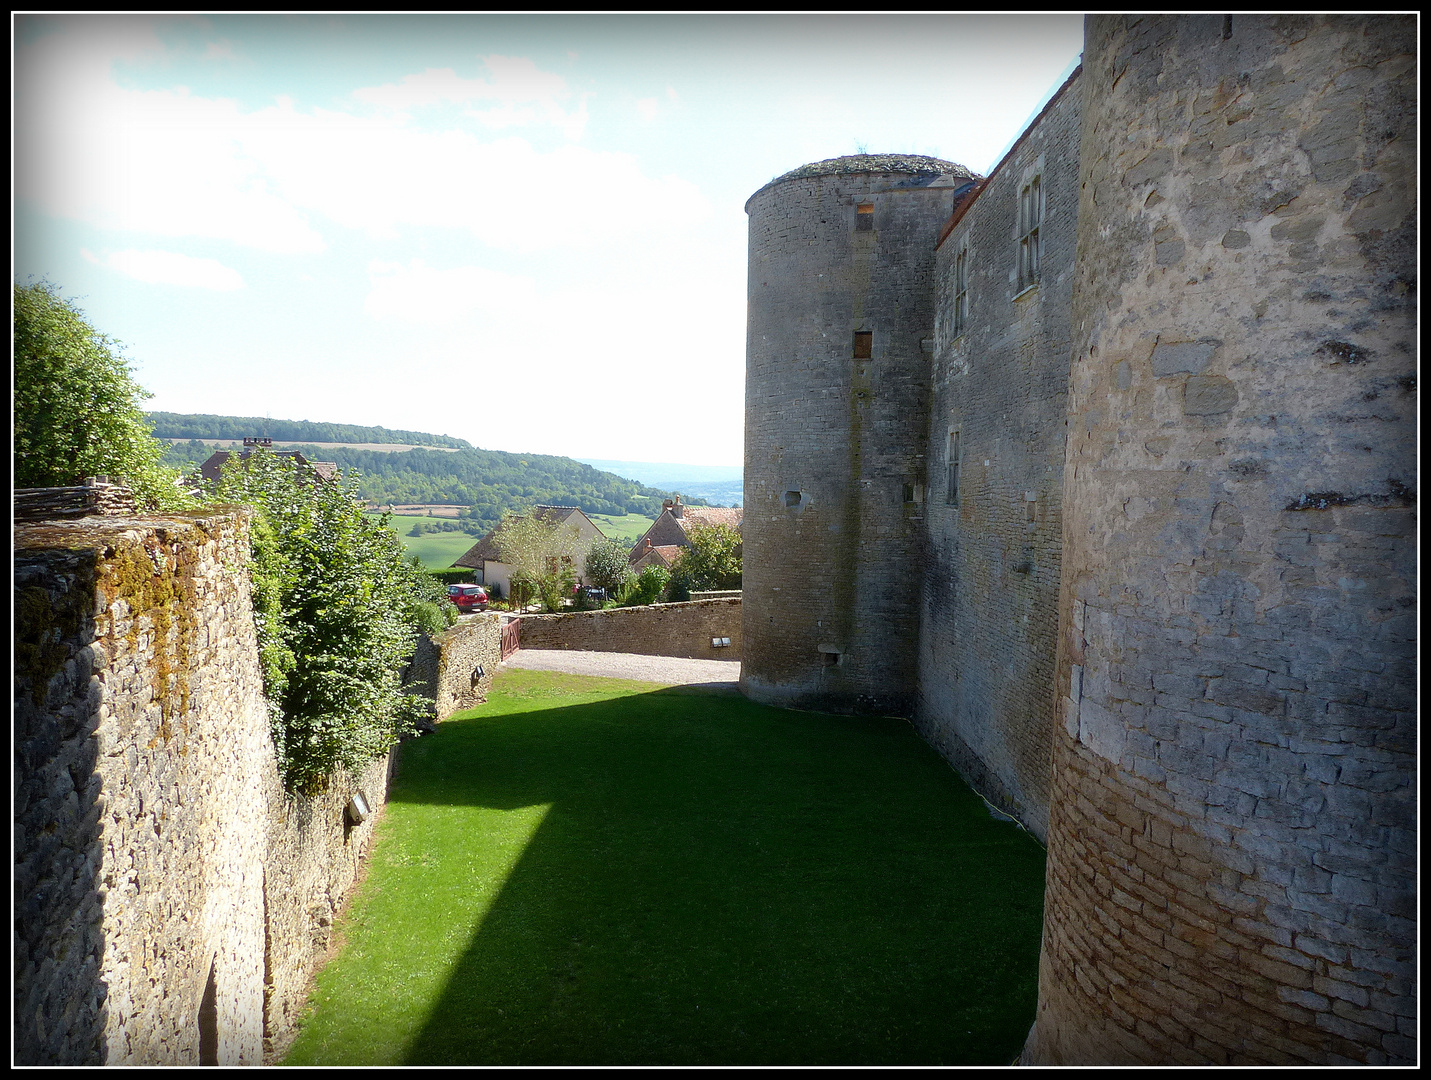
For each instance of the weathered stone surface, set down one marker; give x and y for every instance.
(835, 462)
(1213, 724)
(158, 859)
(1219, 745)
(684, 629)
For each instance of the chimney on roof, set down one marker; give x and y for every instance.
(648, 543)
(264, 442)
(677, 510)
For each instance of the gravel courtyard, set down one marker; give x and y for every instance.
(658, 669)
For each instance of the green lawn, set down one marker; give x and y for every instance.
(595, 871)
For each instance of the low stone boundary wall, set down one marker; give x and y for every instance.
(683, 630)
(454, 669)
(716, 594)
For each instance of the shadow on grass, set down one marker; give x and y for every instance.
(725, 883)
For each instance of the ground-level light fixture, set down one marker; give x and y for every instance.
(357, 809)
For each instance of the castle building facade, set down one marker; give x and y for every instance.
(1102, 470)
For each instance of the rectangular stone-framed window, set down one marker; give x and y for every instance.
(951, 462)
(1030, 220)
(961, 288)
(864, 344)
(864, 217)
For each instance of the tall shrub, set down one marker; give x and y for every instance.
(337, 606)
(76, 406)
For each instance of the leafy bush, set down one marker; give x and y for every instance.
(76, 406)
(645, 589)
(607, 565)
(711, 562)
(338, 605)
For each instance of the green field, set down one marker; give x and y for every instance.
(437, 550)
(630, 527)
(594, 871)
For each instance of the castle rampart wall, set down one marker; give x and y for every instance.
(835, 465)
(989, 616)
(171, 899)
(1232, 835)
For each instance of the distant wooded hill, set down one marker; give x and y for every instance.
(168, 425)
(486, 481)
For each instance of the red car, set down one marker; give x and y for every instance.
(468, 597)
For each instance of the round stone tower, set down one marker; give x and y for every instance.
(836, 403)
(1232, 833)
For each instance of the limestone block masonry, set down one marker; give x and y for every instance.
(989, 617)
(455, 668)
(1232, 843)
(837, 400)
(1151, 584)
(683, 629)
(171, 899)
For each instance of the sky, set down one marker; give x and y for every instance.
(525, 231)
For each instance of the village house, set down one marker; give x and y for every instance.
(486, 560)
(671, 532)
(209, 471)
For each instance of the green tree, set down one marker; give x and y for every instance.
(608, 566)
(645, 589)
(543, 555)
(337, 606)
(711, 562)
(76, 406)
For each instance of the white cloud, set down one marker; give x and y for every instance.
(169, 163)
(518, 93)
(171, 268)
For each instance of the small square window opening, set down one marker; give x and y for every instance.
(864, 344)
(864, 217)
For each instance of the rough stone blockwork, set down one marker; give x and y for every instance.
(171, 900)
(455, 668)
(989, 619)
(837, 399)
(683, 630)
(1232, 837)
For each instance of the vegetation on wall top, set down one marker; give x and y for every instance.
(337, 605)
(76, 405)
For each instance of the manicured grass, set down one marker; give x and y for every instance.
(591, 871)
(436, 550)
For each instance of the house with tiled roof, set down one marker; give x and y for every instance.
(485, 559)
(671, 531)
(210, 470)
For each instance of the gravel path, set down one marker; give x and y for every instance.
(659, 669)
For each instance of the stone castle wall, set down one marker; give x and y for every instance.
(989, 622)
(171, 898)
(455, 668)
(1231, 850)
(835, 462)
(684, 630)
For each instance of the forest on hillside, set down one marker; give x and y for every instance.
(486, 481)
(169, 425)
